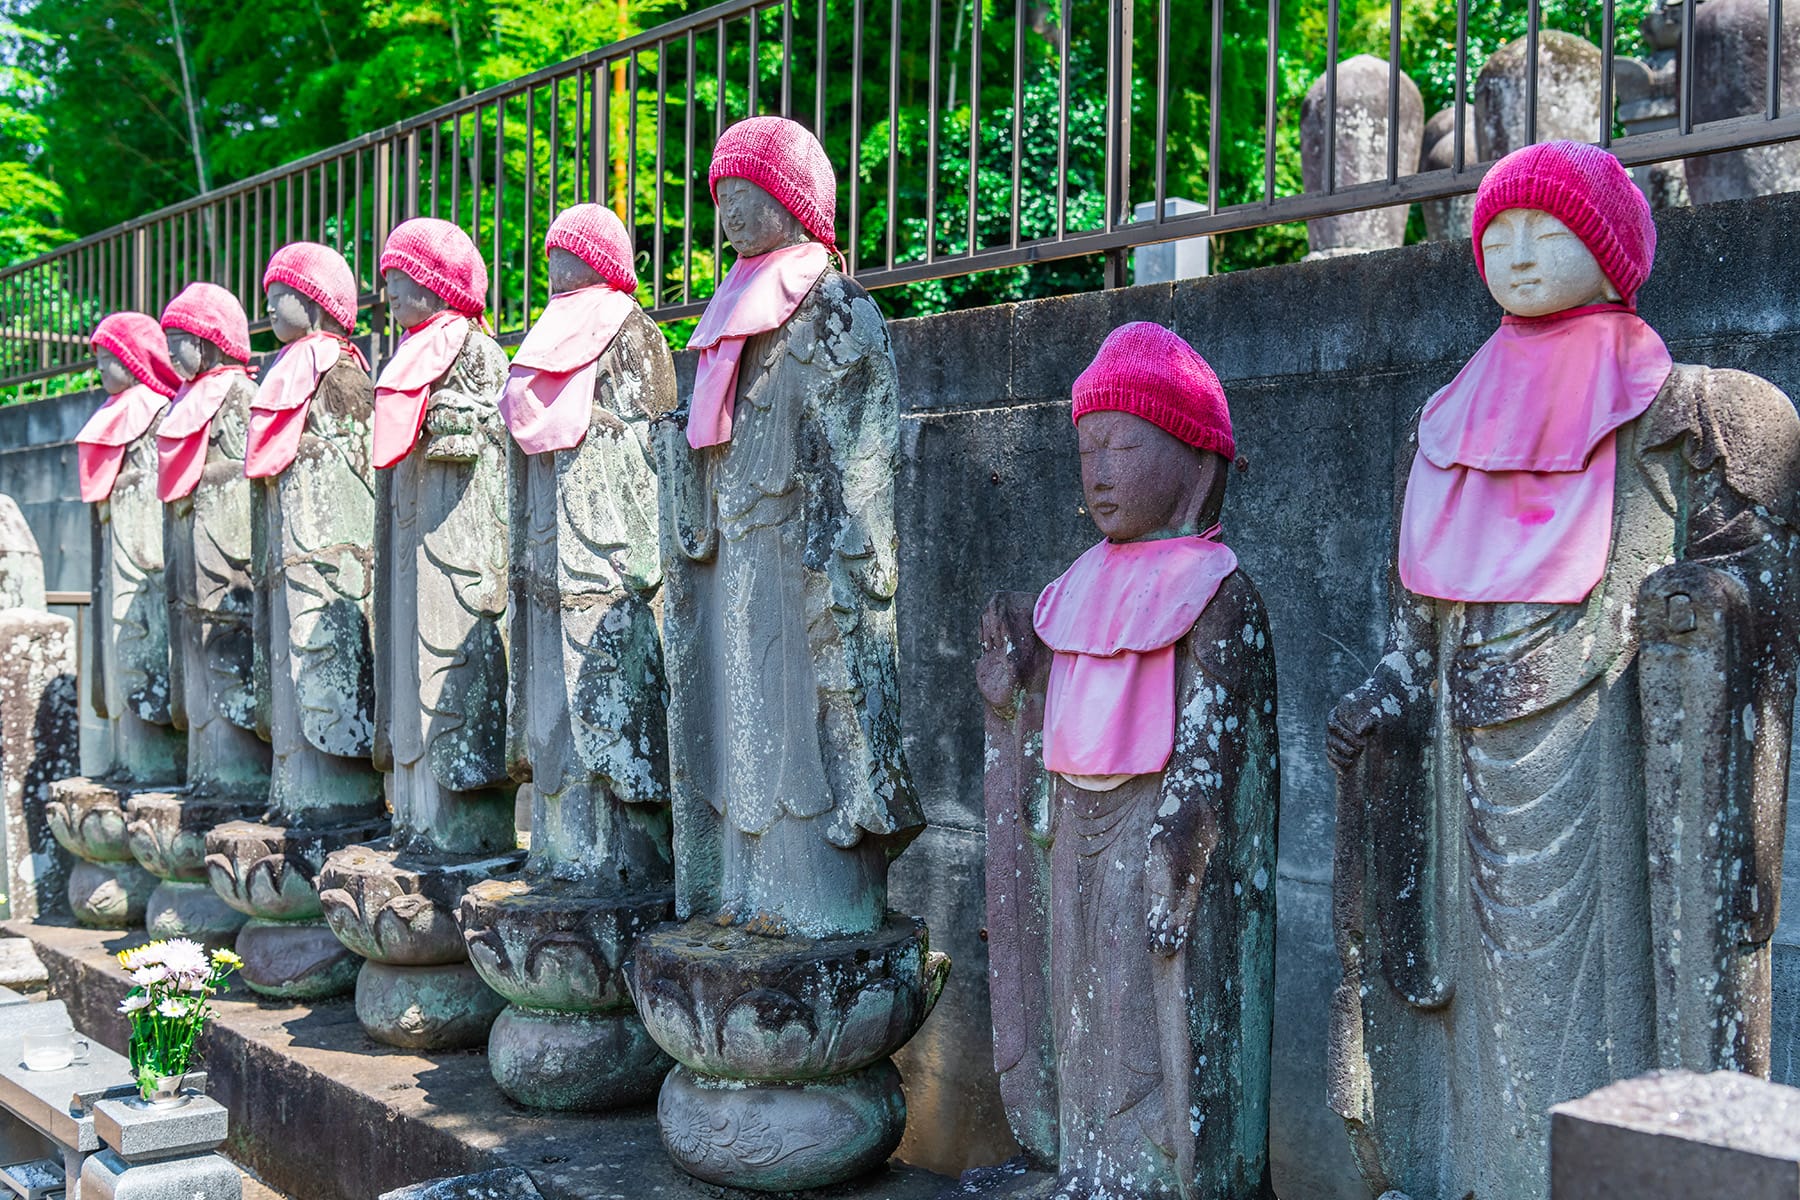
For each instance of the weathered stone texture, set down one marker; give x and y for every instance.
(1447, 220)
(39, 743)
(1363, 129)
(1568, 94)
(1731, 78)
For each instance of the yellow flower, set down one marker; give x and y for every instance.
(226, 958)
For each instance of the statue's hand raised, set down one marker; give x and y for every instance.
(1351, 723)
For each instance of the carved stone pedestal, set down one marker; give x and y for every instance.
(785, 1080)
(167, 833)
(107, 888)
(269, 873)
(569, 1038)
(398, 911)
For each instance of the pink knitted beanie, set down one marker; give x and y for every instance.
(319, 273)
(208, 311)
(1150, 372)
(1586, 189)
(442, 258)
(594, 234)
(135, 339)
(785, 160)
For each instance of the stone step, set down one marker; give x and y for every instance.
(320, 1111)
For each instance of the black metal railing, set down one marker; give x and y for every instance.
(970, 135)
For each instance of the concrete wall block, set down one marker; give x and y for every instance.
(955, 360)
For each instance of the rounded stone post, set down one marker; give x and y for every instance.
(1731, 78)
(1362, 153)
(1447, 219)
(1568, 94)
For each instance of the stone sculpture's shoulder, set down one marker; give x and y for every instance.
(847, 319)
(1733, 416)
(480, 365)
(1231, 641)
(346, 389)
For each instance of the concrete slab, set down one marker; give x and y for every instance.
(320, 1111)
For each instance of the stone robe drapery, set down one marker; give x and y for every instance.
(207, 536)
(439, 618)
(314, 572)
(130, 629)
(1138, 1074)
(780, 554)
(588, 724)
(1496, 895)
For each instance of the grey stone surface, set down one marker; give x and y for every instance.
(508, 1183)
(1568, 94)
(39, 743)
(106, 1176)
(1362, 130)
(1731, 78)
(141, 1133)
(443, 1007)
(1675, 1135)
(20, 967)
(1447, 220)
(21, 562)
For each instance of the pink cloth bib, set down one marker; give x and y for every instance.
(278, 414)
(757, 295)
(1113, 619)
(100, 446)
(549, 399)
(182, 437)
(424, 355)
(1510, 497)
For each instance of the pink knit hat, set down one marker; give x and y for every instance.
(1586, 189)
(594, 234)
(319, 273)
(785, 160)
(208, 311)
(442, 258)
(135, 339)
(1150, 372)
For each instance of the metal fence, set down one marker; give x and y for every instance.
(970, 135)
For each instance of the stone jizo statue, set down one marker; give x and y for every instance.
(587, 720)
(439, 636)
(207, 534)
(1132, 788)
(313, 513)
(1560, 793)
(129, 683)
(789, 788)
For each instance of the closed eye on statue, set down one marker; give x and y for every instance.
(1554, 233)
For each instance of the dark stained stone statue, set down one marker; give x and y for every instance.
(313, 513)
(439, 630)
(1132, 788)
(588, 723)
(129, 681)
(791, 983)
(1561, 791)
(200, 450)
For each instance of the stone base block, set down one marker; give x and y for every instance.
(87, 816)
(110, 895)
(178, 908)
(544, 949)
(167, 830)
(444, 1007)
(773, 1137)
(271, 871)
(295, 960)
(395, 907)
(575, 1061)
(106, 1176)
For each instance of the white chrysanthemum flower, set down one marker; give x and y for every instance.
(187, 981)
(171, 1007)
(146, 976)
(185, 957)
(135, 1002)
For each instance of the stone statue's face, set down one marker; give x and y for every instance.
(755, 221)
(1140, 480)
(293, 314)
(191, 353)
(411, 302)
(1536, 266)
(114, 376)
(568, 273)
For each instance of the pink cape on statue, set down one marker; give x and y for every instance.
(1510, 497)
(100, 446)
(278, 413)
(181, 439)
(425, 354)
(549, 399)
(1113, 619)
(757, 295)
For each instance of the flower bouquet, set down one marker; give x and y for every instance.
(171, 984)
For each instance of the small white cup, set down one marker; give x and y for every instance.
(54, 1049)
